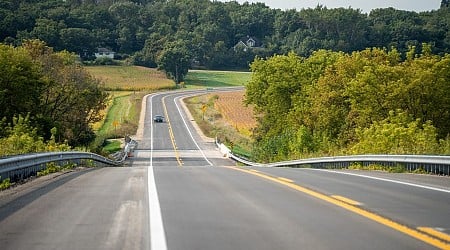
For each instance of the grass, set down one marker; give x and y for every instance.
(112, 146)
(122, 111)
(378, 167)
(131, 78)
(121, 119)
(208, 78)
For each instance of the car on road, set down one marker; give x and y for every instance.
(158, 118)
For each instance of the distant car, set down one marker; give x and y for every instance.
(158, 118)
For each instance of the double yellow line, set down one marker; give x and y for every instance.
(427, 235)
(172, 137)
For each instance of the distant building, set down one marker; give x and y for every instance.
(247, 43)
(104, 52)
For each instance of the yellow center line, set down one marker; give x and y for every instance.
(369, 215)
(285, 179)
(346, 200)
(435, 233)
(172, 137)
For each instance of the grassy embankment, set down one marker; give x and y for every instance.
(225, 116)
(127, 85)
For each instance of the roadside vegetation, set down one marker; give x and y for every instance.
(375, 101)
(53, 104)
(121, 119)
(5, 184)
(48, 101)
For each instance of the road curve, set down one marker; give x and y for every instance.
(178, 192)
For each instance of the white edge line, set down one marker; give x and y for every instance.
(157, 233)
(387, 180)
(189, 131)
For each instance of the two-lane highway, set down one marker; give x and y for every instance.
(178, 192)
(205, 204)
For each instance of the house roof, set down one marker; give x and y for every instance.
(104, 50)
(249, 41)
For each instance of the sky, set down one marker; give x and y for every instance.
(365, 5)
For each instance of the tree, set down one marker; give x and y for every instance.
(21, 84)
(71, 100)
(126, 14)
(175, 60)
(78, 40)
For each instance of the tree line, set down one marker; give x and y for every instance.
(203, 33)
(331, 103)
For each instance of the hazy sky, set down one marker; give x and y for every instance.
(364, 5)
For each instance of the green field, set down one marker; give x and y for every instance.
(209, 78)
(131, 78)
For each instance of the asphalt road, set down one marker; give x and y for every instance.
(178, 192)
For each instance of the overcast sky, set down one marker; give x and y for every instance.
(364, 5)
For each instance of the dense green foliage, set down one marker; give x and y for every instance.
(205, 32)
(60, 99)
(364, 102)
(21, 138)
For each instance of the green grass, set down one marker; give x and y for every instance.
(118, 113)
(121, 119)
(208, 78)
(112, 146)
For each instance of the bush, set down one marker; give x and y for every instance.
(105, 61)
(5, 184)
(398, 134)
(21, 138)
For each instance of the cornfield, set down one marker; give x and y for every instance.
(234, 111)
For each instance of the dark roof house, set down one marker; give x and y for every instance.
(247, 43)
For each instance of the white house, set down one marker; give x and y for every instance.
(104, 52)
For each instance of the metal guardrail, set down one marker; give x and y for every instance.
(431, 164)
(23, 166)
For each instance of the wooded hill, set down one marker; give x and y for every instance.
(208, 33)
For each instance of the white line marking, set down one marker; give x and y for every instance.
(387, 180)
(157, 233)
(189, 131)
